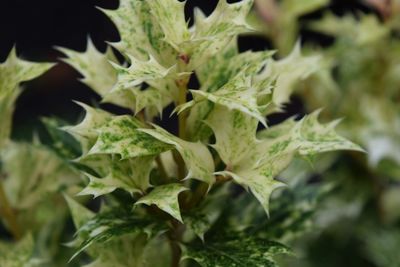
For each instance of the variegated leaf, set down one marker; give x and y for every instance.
(85, 131)
(240, 93)
(234, 132)
(79, 213)
(94, 66)
(196, 156)
(12, 72)
(104, 229)
(287, 72)
(120, 136)
(211, 34)
(132, 175)
(236, 251)
(139, 72)
(19, 254)
(171, 18)
(166, 198)
(141, 34)
(33, 172)
(265, 158)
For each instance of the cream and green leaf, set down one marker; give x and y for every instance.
(12, 72)
(166, 198)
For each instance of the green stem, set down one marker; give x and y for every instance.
(182, 84)
(8, 214)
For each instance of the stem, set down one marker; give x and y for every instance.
(174, 238)
(182, 85)
(8, 214)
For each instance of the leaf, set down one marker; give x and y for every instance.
(19, 254)
(94, 66)
(111, 225)
(211, 34)
(166, 198)
(12, 72)
(240, 251)
(196, 156)
(79, 213)
(132, 175)
(65, 145)
(141, 34)
(85, 131)
(139, 72)
(287, 72)
(295, 9)
(33, 172)
(240, 93)
(171, 18)
(364, 30)
(213, 75)
(235, 133)
(120, 136)
(266, 158)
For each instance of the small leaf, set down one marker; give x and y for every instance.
(166, 198)
(196, 156)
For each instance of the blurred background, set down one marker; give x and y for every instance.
(357, 221)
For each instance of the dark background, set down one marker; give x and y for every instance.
(36, 27)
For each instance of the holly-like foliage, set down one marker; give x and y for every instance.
(165, 194)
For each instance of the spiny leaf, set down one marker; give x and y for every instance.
(12, 72)
(15, 70)
(240, 93)
(234, 132)
(287, 72)
(104, 227)
(256, 165)
(196, 156)
(211, 34)
(141, 34)
(85, 131)
(171, 18)
(235, 251)
(363, 30)
(166, 198)
(33, 172)
(213, 75)
(138, 72)
(79, 213)
(95, 67)
(120, 136)
(131, 175)
(19, 254)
